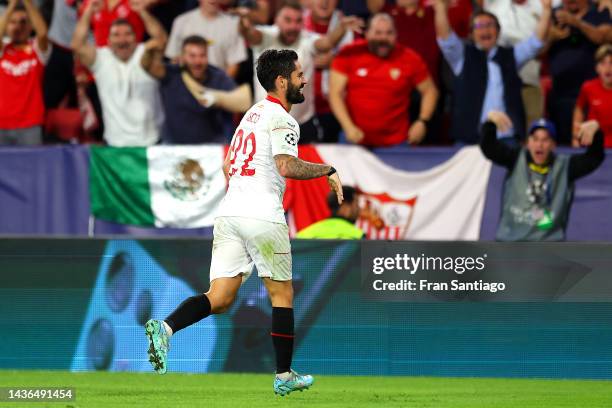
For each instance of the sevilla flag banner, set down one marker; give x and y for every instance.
(445, 202)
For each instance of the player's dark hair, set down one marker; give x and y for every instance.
(272, 63)
(195, 40)
(349, 194)
(481, 12)
(120, 22)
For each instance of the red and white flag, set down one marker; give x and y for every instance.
(445, 202)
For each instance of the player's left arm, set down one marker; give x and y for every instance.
(295, 168)
(38, 24)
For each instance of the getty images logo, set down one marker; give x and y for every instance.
(414, 264)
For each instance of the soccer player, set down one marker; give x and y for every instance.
(250, 228)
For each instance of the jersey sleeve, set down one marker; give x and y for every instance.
(284, 136)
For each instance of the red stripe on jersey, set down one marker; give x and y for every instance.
(287, 336)
(276, 100)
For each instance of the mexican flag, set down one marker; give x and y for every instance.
(161, 186)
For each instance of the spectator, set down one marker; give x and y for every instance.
(539, 187)
(130, 96)
(577, 31)
(596, 98)
(415, 29)
(341, 224)
(377, 76)
(111, 10)
(59, 78)
(322, 17)
(288, 32)
(486, 75)
(22, 63)
(226, 49)
(191, 118)
(519, 20)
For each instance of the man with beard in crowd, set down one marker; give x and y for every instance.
(370, 86)
(288, 32)
(191, 117)
(129, 95)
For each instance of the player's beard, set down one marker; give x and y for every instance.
(294, 95)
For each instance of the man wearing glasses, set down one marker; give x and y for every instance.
(485, 74)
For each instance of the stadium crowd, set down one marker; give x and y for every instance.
(381, 73)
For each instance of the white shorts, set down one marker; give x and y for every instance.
(239, 243)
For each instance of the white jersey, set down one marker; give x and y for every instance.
(256, 188)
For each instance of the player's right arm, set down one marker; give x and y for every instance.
(85, 52)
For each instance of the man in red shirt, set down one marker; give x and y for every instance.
(22, 63)
(370, 86)
(415, 29)
(596, 98)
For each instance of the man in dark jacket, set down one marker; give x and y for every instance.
(486, 75)
(539, 187)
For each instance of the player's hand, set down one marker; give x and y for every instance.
(354, 134)
(587, 131)
(417, 132)
(336, 186)
(501, 120)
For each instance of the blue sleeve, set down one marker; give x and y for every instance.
(526, 50)
(453, 50)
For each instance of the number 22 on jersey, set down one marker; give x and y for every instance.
(248, 146)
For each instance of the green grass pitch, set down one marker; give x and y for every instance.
(104, 389)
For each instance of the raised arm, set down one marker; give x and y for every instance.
(248, 31)
(38, 24)
(375, 5)
(295, 168)
(152, 60)
(451, 46)
(152, 26)
(590, 135)
(329, 41)
(84, 51)
(494, 150)
(4, 18)
(545, 20)
(443, 28)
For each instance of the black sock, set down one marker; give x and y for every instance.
(192, 310)
(282, 337)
